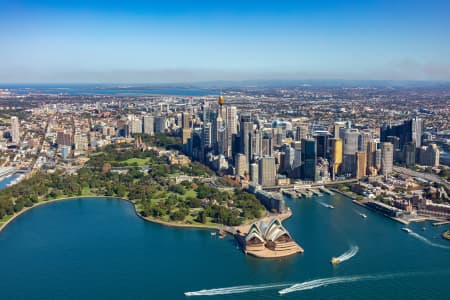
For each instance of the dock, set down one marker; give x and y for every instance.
(326, 191)
(441, 223)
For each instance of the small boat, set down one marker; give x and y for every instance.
(424, 228)
(213, 233)
(405, 229)
(335, 261)
(330, 206)
(363, 215)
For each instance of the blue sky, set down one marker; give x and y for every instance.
(188, 41)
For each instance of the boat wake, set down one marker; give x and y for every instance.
(325, 204)
(349, 254)
(427, 241)
(237, 289)
(317, 283)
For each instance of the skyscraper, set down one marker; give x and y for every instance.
(309, 160)
(267, 171)
(429, 156)
(321, 138)
(336, 155)
(254, 173)
(350, 147)
(148, 125)
(15, 130)
(371, 156)
(231, 122)
(360, 164)
(246, 126)
(241, 165)
(387, 158)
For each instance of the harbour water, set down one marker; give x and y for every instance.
(99, 249)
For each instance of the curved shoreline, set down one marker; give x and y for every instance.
(160, 222)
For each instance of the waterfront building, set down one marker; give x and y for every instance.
(270, 240)
(15, 130)
(309, 160)
(266, 171)
(387, 158)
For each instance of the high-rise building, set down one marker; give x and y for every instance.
(409, 154)
(350, 147)
(65, 151)
(337, 128)
(255, 144)
(254, 173)
(429, 156)
(408, 131)
(148, 123)
(266, 171)
(186, 134)
(371, 156)
(186, 120)
(231, 121)
(241, 164)
(360, 164)
(301, 132)
(206, 135)
(15, 130)
(246, 127)
(160, 124)
(309, 160)
(321, 138)
(266, 146)
(387, 158)
(135, 125)
(336, 155)
(64, 138)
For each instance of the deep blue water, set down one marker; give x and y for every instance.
(99, 249)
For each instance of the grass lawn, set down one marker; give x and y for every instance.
(139, 161)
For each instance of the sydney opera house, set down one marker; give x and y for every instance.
(270, 240)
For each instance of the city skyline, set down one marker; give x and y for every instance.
(140, 42)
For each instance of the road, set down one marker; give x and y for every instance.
(428, 176)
